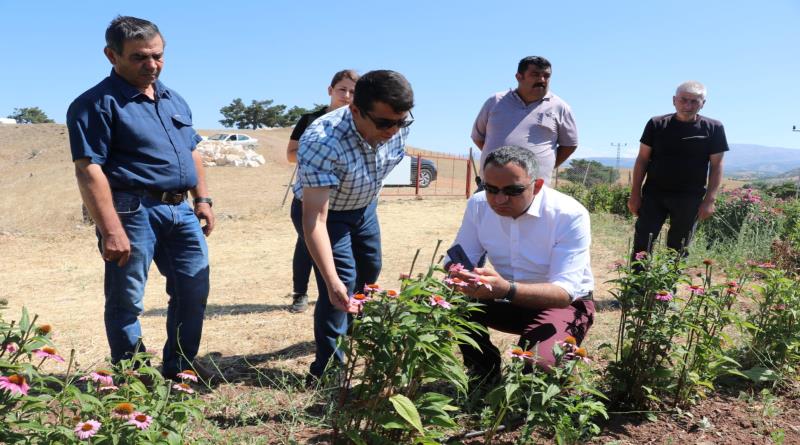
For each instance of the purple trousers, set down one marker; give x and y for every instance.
(539, 330)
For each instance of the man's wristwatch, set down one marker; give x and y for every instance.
(206, 200)
(512, 292)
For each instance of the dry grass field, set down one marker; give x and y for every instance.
(49, 263)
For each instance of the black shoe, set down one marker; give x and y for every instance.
(299, 303)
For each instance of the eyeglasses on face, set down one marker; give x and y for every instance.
(511, 190)
(385, 124)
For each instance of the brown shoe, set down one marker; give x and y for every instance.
(206, 373)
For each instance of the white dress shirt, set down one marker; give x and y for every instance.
(547, 244)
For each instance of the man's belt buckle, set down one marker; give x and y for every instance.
(173, 198)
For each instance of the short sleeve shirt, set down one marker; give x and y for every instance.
(540, 127)
(139, 143)
(333, 154)
(681, 151)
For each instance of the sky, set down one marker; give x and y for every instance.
(616, 63)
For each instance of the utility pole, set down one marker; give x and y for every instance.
(619, 146)
(797, 186)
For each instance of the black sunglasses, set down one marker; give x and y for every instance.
(511, 190)
(385, 124)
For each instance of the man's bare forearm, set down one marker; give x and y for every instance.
(96, 193)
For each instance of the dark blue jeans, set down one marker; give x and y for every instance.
(356, 243)
(171, 236)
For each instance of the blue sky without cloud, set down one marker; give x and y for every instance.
(616, 63)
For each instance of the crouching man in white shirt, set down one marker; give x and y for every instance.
(537, 240)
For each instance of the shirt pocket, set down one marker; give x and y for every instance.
(544, 129)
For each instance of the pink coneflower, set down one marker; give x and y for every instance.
(617, 265)
(140, 420)
(85, 430)
(405, 276)
(580, 354)
(11, 347)
(438, 300)
(359, 299)
(391, 293)
(708, 262)
(15, 384)
(455, 268)
(518, 353)
(44, 329)
(188, 374)
(183, 387)
(371, 288)
(107, 388)
(455, 281)
(480, 282)
(48, 352)
(696, 290)
(123, 410)
(663, 295)
(640, 255)
(766, 265)
(101, 376)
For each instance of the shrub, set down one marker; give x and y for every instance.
(605, 198)
(108, 406)
(400, 344)
(772, 328)
(562, 400)
(671, 332)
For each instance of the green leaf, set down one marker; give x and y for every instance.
(760, 374)
(406, 409)
(552, 391)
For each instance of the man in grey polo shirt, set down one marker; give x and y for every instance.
(530, 117)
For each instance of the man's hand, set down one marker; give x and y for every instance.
(706, 210)
(204, 212)
(116, 247)
(494, 286)
(337, 293)
(634, 203)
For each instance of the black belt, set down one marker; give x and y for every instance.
(172, 198)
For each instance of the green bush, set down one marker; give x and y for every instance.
(671, 332)
(400, 344)
(600, 198)
(105, 406)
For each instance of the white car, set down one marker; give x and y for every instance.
(236, 139)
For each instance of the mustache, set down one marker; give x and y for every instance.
(540, 84)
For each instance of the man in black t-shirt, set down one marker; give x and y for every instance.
(681, 157)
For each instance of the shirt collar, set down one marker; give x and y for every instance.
(131, 91)
(547, 97)
(535, 208)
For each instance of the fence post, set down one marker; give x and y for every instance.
(419, 170)
(469, 174)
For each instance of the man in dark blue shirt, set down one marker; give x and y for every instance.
(133, 145)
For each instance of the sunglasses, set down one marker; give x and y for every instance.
(385, 124)
(511, 190)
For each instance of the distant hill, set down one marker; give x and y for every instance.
(743, 160)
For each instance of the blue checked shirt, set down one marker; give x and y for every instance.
(333, 154)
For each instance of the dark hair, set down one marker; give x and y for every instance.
(517, 155)
(124, 28)
(389, 87)
(344, 74)
(538, 62)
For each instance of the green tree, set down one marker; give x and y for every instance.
(260, 113)
(30, 115)
(589, 173)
